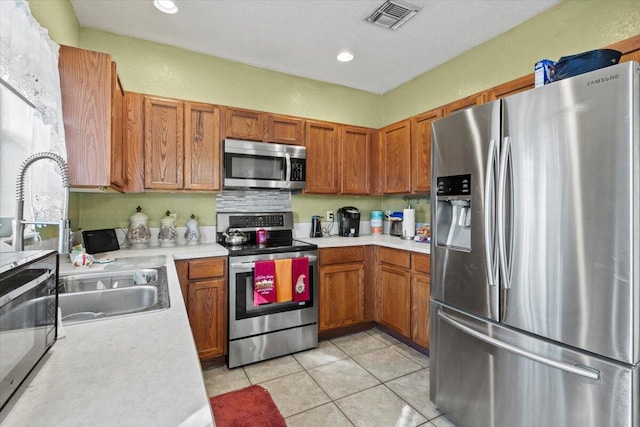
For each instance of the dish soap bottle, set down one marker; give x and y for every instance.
(138, 235)
(167, 233)
(192, 235)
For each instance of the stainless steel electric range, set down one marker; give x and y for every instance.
(275, 329)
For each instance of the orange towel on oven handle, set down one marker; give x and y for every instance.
(283, 280)
(300, 273)
(264, 290)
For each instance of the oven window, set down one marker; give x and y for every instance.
(244, 298)
(241, 166)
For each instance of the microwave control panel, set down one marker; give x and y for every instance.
(298, 170)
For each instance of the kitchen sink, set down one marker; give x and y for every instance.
(93, 296)
(107, 280)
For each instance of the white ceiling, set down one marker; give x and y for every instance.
(303, 37)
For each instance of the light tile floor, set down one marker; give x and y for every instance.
(364, 379)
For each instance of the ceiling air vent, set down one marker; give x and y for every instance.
(393, 13)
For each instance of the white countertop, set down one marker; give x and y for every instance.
(385, 240)
(134, 370)
(140, 369)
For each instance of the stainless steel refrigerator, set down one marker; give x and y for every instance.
(535, 292)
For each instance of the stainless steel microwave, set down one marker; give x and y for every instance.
(28, 314)
(260, 165)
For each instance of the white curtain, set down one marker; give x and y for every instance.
(29, 63)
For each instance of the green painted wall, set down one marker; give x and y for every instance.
(107, 210)
(59, 18)
(164, 70)
(571, 27)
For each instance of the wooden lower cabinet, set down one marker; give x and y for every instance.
(403, 293)
(420, 294)
(394, 298)
(204, 288)
(394, 290)
(341, 276)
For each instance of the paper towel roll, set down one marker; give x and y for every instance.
(409, 223)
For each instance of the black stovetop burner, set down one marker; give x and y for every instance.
(279, 228)
(272, 246)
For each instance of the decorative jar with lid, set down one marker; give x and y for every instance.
(192, 235)
(138, 235)
(167, 234)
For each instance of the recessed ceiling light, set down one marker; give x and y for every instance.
(345, 56)
(166, 6)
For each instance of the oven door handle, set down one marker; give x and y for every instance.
(251, 264)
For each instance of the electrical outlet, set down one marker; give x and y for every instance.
(329, 216)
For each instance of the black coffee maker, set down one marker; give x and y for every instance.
(348, 221)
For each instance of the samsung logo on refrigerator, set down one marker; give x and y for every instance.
(602, 80)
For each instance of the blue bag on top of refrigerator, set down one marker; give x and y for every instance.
(569, 66)
(543, 72)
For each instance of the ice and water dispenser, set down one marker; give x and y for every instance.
(453, 212)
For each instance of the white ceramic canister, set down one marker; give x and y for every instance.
(192, 235)
(167, 234)
(376, 222)
(138, 235)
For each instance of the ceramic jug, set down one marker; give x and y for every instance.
(167, 234)
(192, 235)
(138, 235)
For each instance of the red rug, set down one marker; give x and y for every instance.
(249, 407)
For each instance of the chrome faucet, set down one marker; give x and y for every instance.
(64, 224)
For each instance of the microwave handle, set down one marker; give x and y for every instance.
(287, 183)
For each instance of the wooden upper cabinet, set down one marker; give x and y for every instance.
(395, 163)
(118, 153)
(463, 103)
(421, 150)
(163, 144)
(355, 155)
(630, 49)
(93, 133)
(631, 56)
(133, 134)
(245, 124)
(323, 165)
(285, 129)
(201, 147)
(512, 87)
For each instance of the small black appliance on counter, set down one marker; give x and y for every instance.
(348, 221)
(316, 227)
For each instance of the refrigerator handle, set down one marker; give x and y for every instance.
(502, 183)
(589, 373)
(489, 194)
